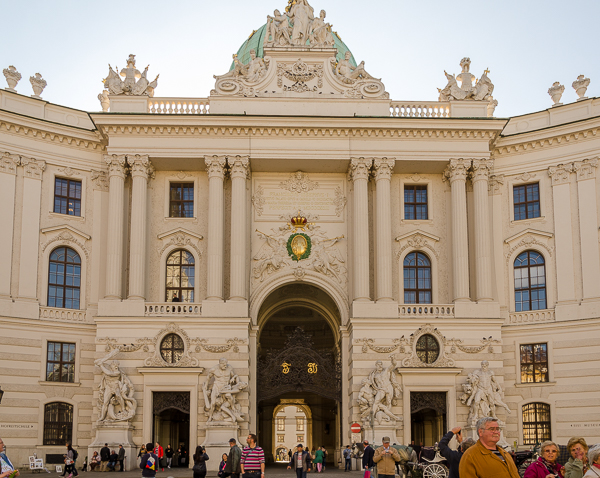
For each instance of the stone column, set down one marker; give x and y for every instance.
(30, 226)
(483, 256)
(359, 174)
(563, 229)
(141, 170)
(114, 244)
(383, 177)
(215, 166)
(456, 172)
(8, 182)
(239, 172)
(588, 226)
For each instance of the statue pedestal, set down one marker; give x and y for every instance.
(376, 433)
(115, 434)
(216, 442)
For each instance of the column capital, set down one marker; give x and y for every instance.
(586, 169)
(495, 183)
(117, 164)
(383, 168)
(100, 180)
(239, 166)
(457, 169)
(359, 168)
(140, 166)
(34, 168)
(9, 163)
(215, 166)
(481, 169)
(560, 174)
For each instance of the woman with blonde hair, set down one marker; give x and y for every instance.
(577, 465)
(546, 464)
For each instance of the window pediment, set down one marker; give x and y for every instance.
(180, 237)
(529, 238)
(418, 240)
(66, 235)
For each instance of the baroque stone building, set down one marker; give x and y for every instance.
(440, 262)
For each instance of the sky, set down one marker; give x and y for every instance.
(526, 44)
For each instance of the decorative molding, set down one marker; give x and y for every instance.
(383, 168)
(69, 172)
(495, 183)
(186, 360)
(299, 182)
(140, 166)
(586, 169)
(34, 168)
(67, 235)
(340, 201)
(529, 238)
(481, 169)
(9, 163)
(181, 238)
(111, 344)
(526, 176)
(100, 180)
(554, 141)
(560, 174)
(369, 344)
(239, 166)
(183, 174)
(48, 136)
(359, 168)
(457, 169)
(232, 344)
(458, 344)
(258, 201)
(117, 165)
(417, 240)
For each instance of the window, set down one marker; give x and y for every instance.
(171, 348)
(428, 349)
(534, 363)
(417, 279)
(280, 438)
(58, 423)
(64, 280)
(67, 196)
(415, 202)
(526, 200)
(181, 275)
(299, 424)
(299, 438)
(536, 423)
(280, 424)
(60, 363)
(181, 202)
(530, 281)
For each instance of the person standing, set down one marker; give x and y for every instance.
(252, 462)
(169, 455)
(318, 459)
(324, 456)
(347, 458)
(386, 457)
(367, 458)
(121, 458)
(200, 458)
(160, 453)
(232, 468)
(300, 461)
(148, 463)
(222, 465)
(454, 456)
(6, 467)
(486, 459)
(104, 457)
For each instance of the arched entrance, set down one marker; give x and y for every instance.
(299, 365)
(427, 416)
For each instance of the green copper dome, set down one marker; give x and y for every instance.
(256, 39)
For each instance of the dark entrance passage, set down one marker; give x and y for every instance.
(171, 424)
(427, 417)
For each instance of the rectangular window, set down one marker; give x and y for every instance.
(67, 196)
(60, 364)
(415, 202)
(299, 424)
(280, 438)
(526, 200)
(181, 200)
(300, 438)
(534, 363)
(280, 424)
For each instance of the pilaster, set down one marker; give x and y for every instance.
(383, 175)
(215, 166)
(8, 182)
(239, 169)
(495, 189)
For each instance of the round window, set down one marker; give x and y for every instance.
(171, 348)
(428, 349)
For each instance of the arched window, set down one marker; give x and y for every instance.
(172, 348)
(58, 423)
(64, 278)
(181, 273)
(530, 281)
(536, 423)
(417, 279)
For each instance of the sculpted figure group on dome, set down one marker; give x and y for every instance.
(481, 91)
(298, 27)
(253, 72)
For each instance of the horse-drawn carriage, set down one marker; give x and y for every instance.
(430, 464)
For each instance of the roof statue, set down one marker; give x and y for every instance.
(480, 91)
(129, 86)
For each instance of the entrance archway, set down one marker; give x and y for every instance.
(299, 364)
(171, 424)
(427, 417)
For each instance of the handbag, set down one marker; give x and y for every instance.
(367, 474)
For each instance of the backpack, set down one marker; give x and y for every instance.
(75, 454)
(151, 463)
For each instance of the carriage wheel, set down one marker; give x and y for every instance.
(435, 470)
(524, 466)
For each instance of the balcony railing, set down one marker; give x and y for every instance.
(54, 313)
(181, 106)
(172, 309)
(420, 109)
(532, 316)
(426, 310)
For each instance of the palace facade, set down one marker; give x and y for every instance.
(309, 227)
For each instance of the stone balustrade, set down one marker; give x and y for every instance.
(426, 310)
(55, 313)
(179, 106)
(414, 109)
(172, 309)
(531, 316)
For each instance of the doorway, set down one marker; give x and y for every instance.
(171, 424)
(427, 417)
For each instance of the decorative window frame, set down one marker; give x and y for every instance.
(414, 361)
(64, 236)
(419, 241)
(527, 401)
(156, 360)
(521, 180)
(44, 360)
(57, 398)
(531, 240)
(180, 177)
(73, 174)
(416, 180)
(537, 339)
(180, 238)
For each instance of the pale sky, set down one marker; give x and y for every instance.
(526, 44)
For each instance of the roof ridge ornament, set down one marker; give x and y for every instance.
(480, 91)
(129, 86)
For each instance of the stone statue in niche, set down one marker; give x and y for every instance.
(220, 390)
(321, 35)
(348, 73)
(483, 393)
(481, 91)
(116, 400)
(378, 392)
(129, 86)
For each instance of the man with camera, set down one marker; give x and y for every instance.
(386, 457)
